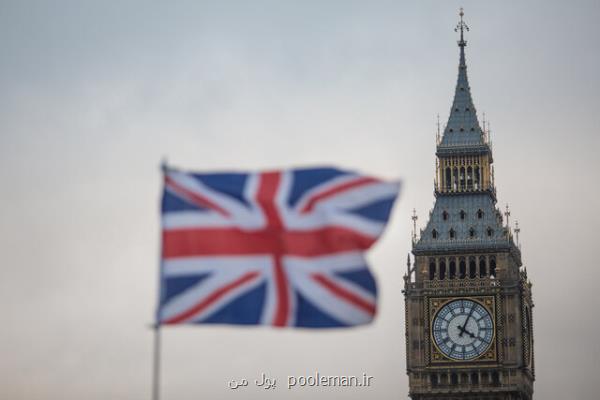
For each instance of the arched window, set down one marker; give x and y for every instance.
(442, 269)
(444, 379)
(469, 178)
(479, 214)
(462, 268)
(462, 178)
(477, 178)
(471, 233)
(490, 232)
(452, 273)
(445, 216)
(495, 378)
(455, 179)
(472, 268)
(482, 267)
(493, 267)
(434, 380)
(452, 233)
(431, 269)
(485, 377)
(463, 214)
(474, 378)
(448, 178)
(453, 379)
(434, 234)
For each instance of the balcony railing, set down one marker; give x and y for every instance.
(455, 283)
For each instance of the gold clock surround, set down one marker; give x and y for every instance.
(436, 356)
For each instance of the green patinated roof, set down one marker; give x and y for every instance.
(462, 129)
(482, 226)
(487, 226)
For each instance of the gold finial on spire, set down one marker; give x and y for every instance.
(517, 231)
(414, 219)
(462, 26)
(507, 213)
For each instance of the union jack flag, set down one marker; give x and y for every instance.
(280, 248)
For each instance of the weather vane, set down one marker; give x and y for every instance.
(461, 26)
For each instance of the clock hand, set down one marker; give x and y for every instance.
(464, 327)
(464, 330)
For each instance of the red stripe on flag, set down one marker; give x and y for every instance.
(335, 190)
(265, 196)
(194, 197)
(344, 294)
(210, 299)
(231, 241)
(283, 297)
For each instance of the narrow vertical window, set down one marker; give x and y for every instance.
(495, 378)
(462, 269)
(452, 273)
(455, 179)
(484, 378)
(434, 380)
(482, 267)
(453, 379)
(469, 178)
(493, 267)
(431, 270)
(472, 268)
(444, 379)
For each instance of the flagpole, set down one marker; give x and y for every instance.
(156, 358)
(156, 364)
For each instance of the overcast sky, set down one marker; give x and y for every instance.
(94, 94)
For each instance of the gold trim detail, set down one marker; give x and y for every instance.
(437, 356)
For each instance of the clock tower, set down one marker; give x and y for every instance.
(468, 301)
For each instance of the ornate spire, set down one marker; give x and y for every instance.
(463, 127)
(461, 26)
(414, 219)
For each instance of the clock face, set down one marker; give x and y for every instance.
(463, 329)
